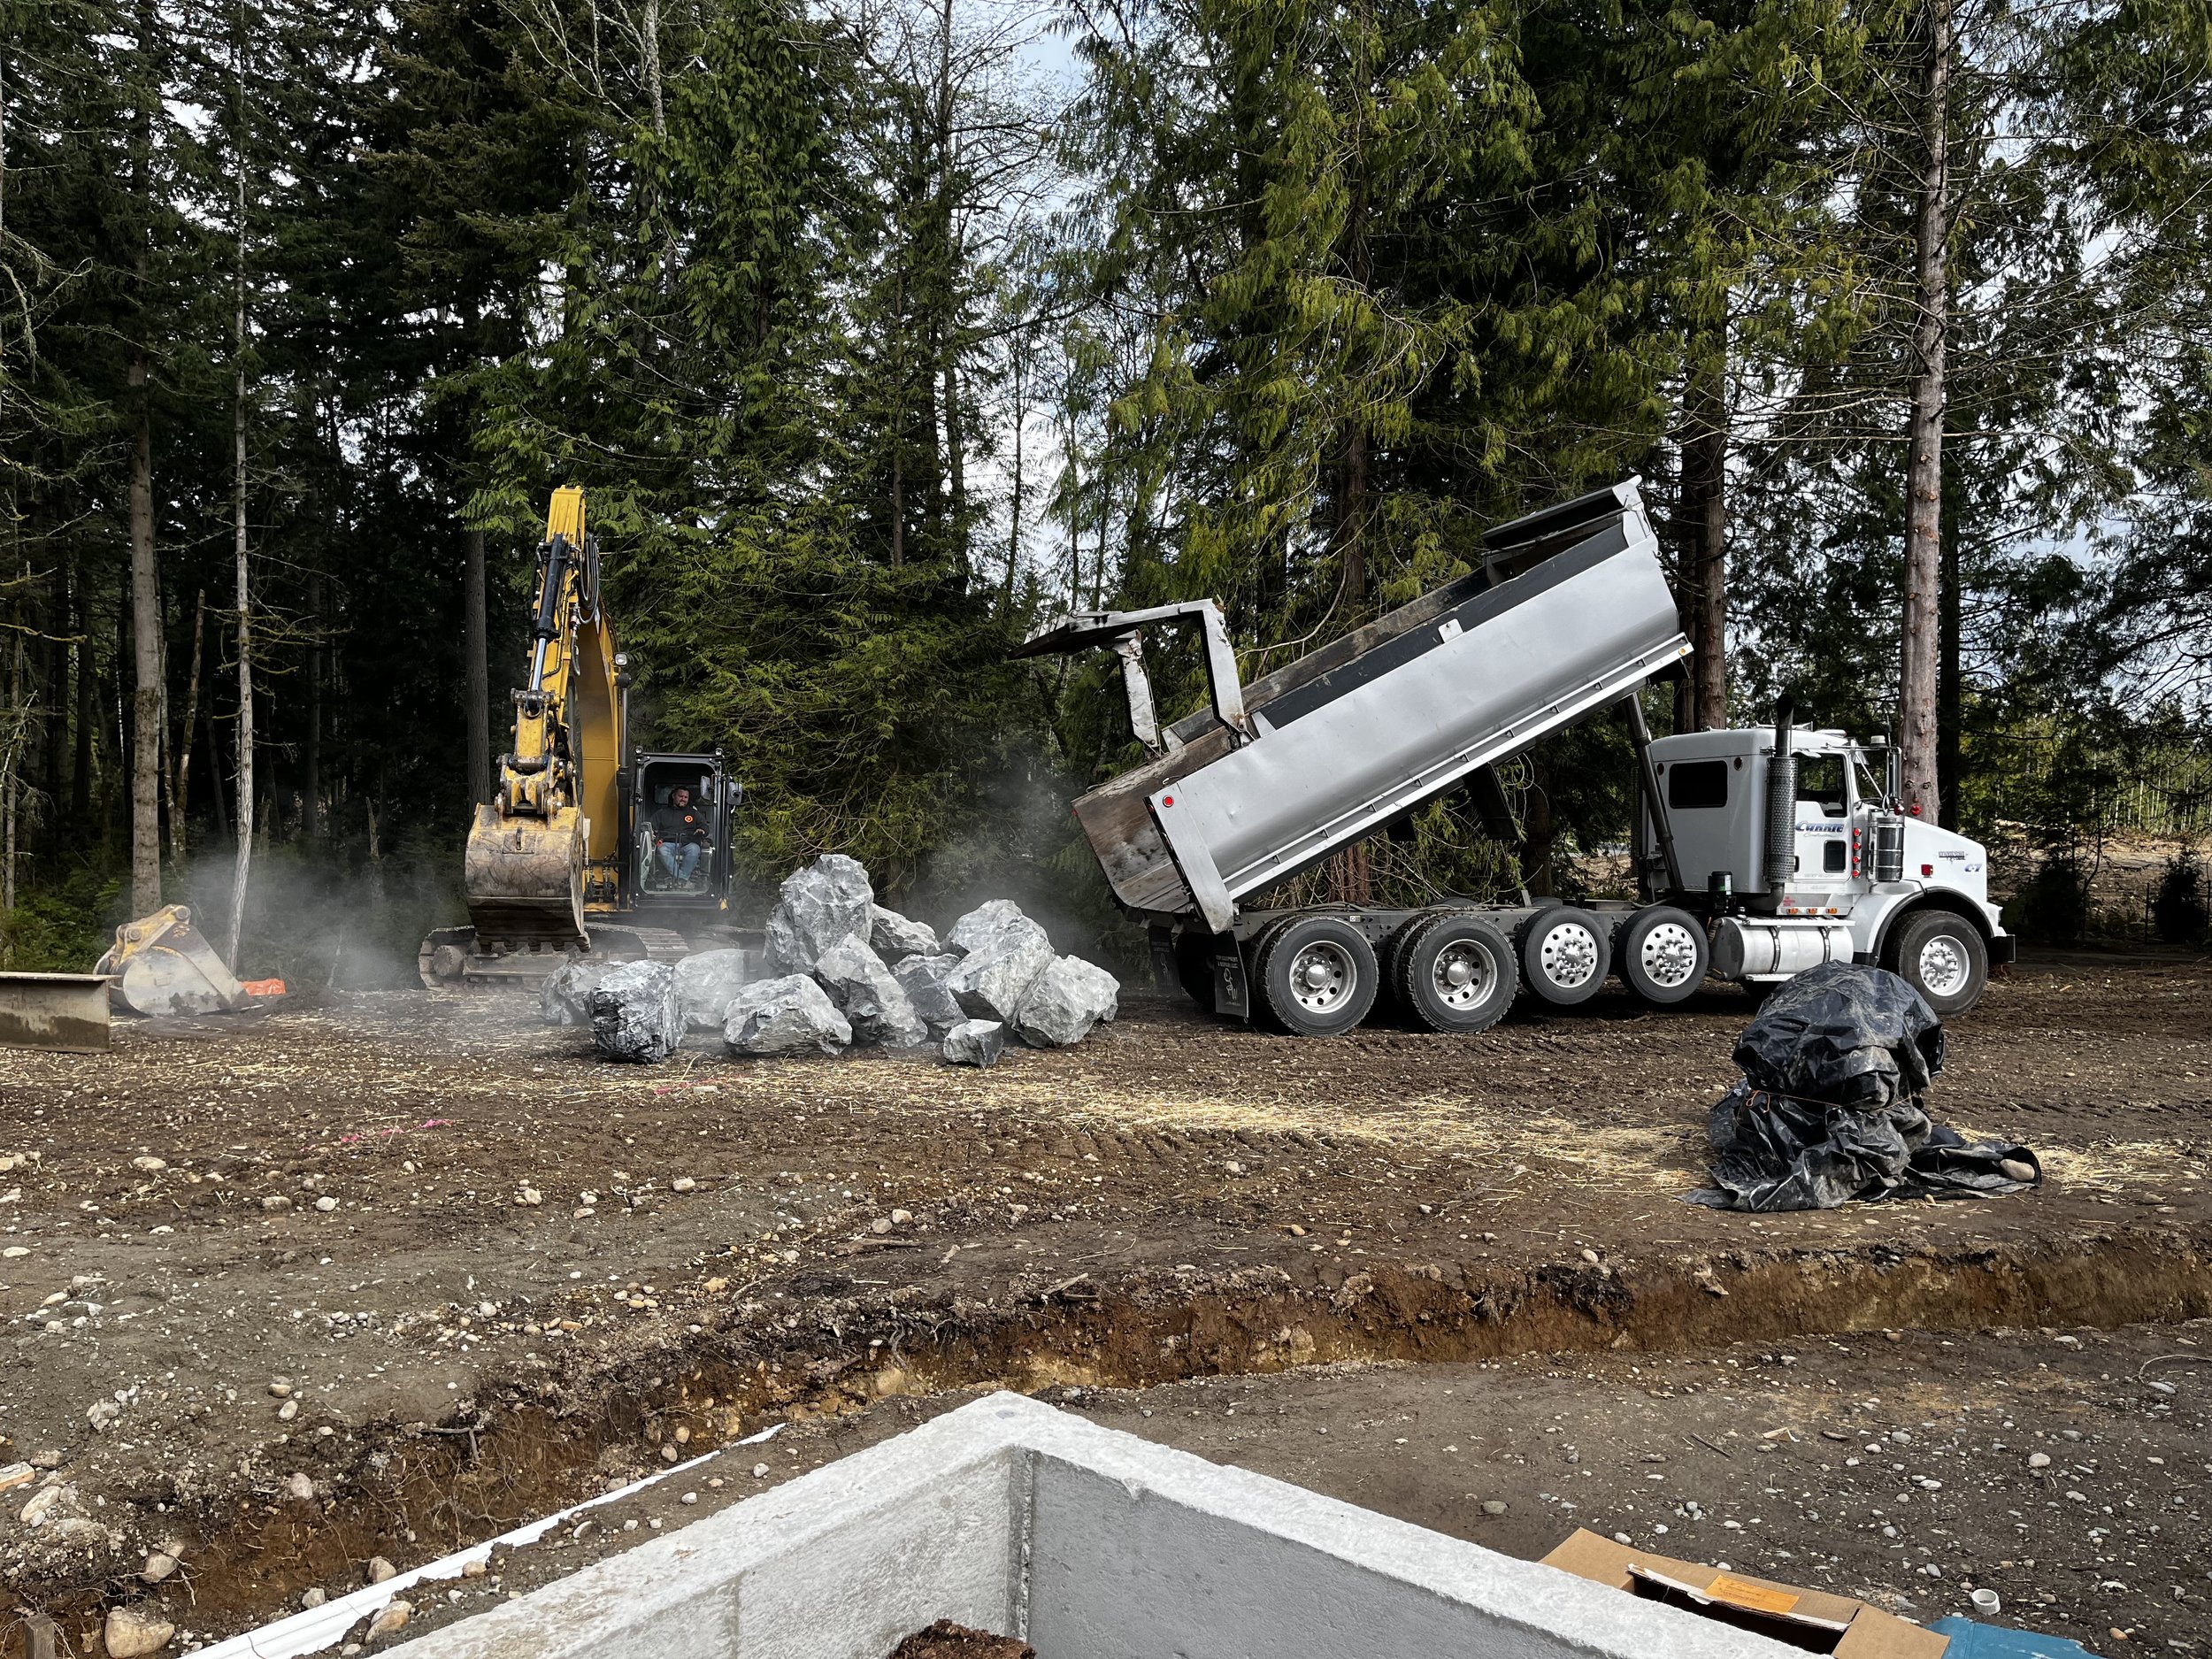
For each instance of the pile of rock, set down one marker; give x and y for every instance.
(844, 971)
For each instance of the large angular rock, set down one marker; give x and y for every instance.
(635, 1015)
(563, 1000)
(829, 900)
(980, 923)
(784, 1016)
(869, 994)
(1006, 951)
(923, 979)
(1065, 1000)
(975, 1043)
(704, 984)
(894, 935)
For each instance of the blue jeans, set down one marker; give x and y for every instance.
(680, 861)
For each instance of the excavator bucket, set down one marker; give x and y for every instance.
(159, 964)
(526, 880)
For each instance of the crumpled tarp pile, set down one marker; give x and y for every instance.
(1829, 1108)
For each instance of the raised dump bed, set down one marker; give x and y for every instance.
(1009, 1517)
(1569, 612)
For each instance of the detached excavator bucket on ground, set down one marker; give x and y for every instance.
(525, 878)
(159, 964)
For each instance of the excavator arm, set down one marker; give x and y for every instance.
(554, 818)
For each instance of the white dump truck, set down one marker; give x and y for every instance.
(1758, 852)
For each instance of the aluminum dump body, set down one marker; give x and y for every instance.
(1570, 612)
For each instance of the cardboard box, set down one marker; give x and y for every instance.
(1812, 1620)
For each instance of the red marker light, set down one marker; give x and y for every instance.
(1167, 799)
(1927, 869)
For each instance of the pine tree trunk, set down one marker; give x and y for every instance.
(242, 867)
(148, 716)
(1014, 514)
(1351, 523)
(180, 751)
(1950, 696)
(1711, 674)
(1702, 524)
(651, 30)
(1916, 736)
(88, 700)
(479, 676)
(311, 744)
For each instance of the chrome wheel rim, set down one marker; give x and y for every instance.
(1323, 976)
(1462, 975)
(1569, 955)
(1668, 956)
(1942, 965)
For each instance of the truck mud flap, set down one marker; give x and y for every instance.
(1232, 992)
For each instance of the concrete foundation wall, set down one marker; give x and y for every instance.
(1009, 1516)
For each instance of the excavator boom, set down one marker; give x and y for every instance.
(555, 800)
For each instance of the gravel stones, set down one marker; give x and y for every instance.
(1005, 952)
(634, 1015)
(923, 979)
(1064, 1001)
(894, 935)
(390, 1618)
(784, 1017)
(132, 1631)
(975, 1043)
(829, 901)
(869, 996)
(704, 984)
(563, 998)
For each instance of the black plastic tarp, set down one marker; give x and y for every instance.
(1830, 1109)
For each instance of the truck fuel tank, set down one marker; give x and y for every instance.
(1748, 948)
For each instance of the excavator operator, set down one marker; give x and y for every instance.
(679, 835)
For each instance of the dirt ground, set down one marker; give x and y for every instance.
(413, 1268)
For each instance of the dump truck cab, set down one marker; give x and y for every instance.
(1813, 862)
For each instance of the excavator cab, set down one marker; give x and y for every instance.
(714, 795)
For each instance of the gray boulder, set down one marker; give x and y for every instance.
(829, 900)
(869, 994)
(894, 935)
(975, 1043)
(1065, 1000)
(923, 979)
(704, 984)
(1006, 951)
(563, 998)
(980, 923)
(634, 1013)
(784, 1016)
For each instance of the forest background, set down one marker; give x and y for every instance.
(879, 328)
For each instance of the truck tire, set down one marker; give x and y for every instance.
(1942, 956)
(1315, 976)
(1454, 974)
(1663, 954)
(1565, 952)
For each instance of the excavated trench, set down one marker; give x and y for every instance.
(528, 1448)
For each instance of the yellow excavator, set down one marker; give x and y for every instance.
(562, 859)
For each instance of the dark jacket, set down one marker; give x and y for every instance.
(680, 824)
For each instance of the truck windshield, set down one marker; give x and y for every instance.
(1870, 785)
